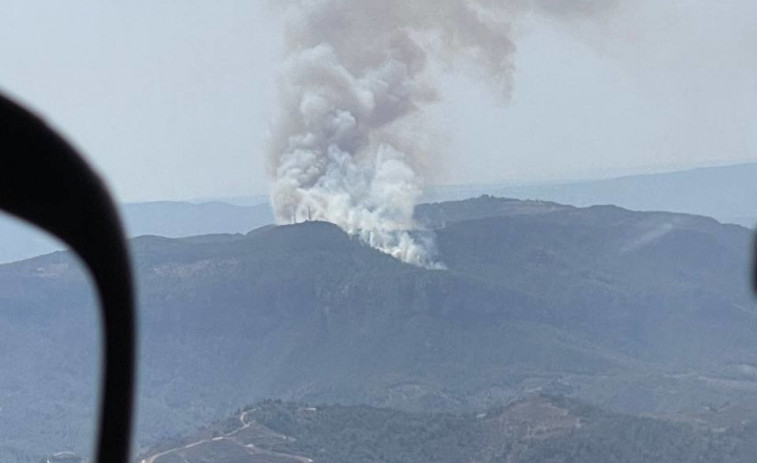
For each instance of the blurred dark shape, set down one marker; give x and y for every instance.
(45, 182)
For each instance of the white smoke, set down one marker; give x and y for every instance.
(345, 147)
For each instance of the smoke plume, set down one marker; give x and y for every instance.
(346, 146)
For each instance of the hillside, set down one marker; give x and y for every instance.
(601, 304)
(533, 430)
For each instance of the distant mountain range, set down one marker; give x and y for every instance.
(728, 194)
(638, 312)
(162, 218)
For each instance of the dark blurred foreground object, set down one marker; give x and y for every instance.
(45, 182)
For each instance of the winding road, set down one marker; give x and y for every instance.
(249, 448)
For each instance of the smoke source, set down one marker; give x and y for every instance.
(346, 146)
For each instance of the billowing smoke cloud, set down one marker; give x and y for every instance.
(346, 147)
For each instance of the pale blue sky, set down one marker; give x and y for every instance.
(171, 100)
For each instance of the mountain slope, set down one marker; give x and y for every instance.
(598, 303)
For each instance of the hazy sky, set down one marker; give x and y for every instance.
(172, 99)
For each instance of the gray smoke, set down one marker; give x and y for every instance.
(346, 146)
